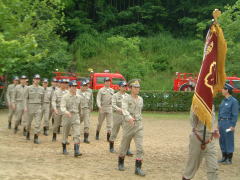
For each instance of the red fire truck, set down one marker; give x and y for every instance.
(187, 82)
(96, 79)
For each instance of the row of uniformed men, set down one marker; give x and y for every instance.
(36, 102)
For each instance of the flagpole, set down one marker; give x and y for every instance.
(216, 13)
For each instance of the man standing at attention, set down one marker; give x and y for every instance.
(227, 119)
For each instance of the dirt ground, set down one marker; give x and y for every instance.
(165, 145)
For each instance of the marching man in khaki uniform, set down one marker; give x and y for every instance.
(33, 107)
(9, 95)
(196, 153)
(56, 100)
(86, 108)
(104, 103)
(70, 107)
(132, 127)
(53, 88)
(18, 103)
(46, 106)
(118, 117)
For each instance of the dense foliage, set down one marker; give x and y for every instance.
(29, 42)
(146, 39)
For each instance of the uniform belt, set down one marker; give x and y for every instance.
(225, 119)
(46, 102)
(203, 145)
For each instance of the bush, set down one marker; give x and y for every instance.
(170, 101)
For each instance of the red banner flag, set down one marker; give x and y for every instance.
(212, 76)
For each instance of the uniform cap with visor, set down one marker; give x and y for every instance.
(45, 80)
(36, 76)
(134, 83)
(72, 83)
(228, 87)
(54, 80)
(23, 77)
(15, 78)
(84, 83)
(106, 79)
(122, 83)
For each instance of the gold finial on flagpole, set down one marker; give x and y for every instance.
(216, 13)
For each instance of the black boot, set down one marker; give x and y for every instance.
(97, 135)
(52, 121)
(183, 178)
(45, 131)
(86, 138)
(15, 130)
(228, 160)
(24, 131)
(9, 125)
(76, 150)
(108, 136)
(64, 148)
(28, 136)
(36, 141)
(121, 164)
(230, 157)
(54, 138)
(111, 146)
(138, 170)
(224, 158)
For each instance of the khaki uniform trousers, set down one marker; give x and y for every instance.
(19, 114)
(45, 114)
(85, 118)
(34, 112)
(74, 123)
(57, 120)
(11, 112)
(132, 132)
(105, 113)
(117, 123)
(196, 155)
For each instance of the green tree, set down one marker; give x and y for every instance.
(29, 42)
(230, 22)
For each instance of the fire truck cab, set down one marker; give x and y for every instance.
(96, 79)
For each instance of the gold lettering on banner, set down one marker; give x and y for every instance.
(209, 80)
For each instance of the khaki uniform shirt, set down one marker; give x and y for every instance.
(9, 93)
(57, 96)
(132, 108)
(19, 93)
(47, 95)
(70, 103)
(86, 99)
(104, 97)
(34, 95)
(117, 101)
